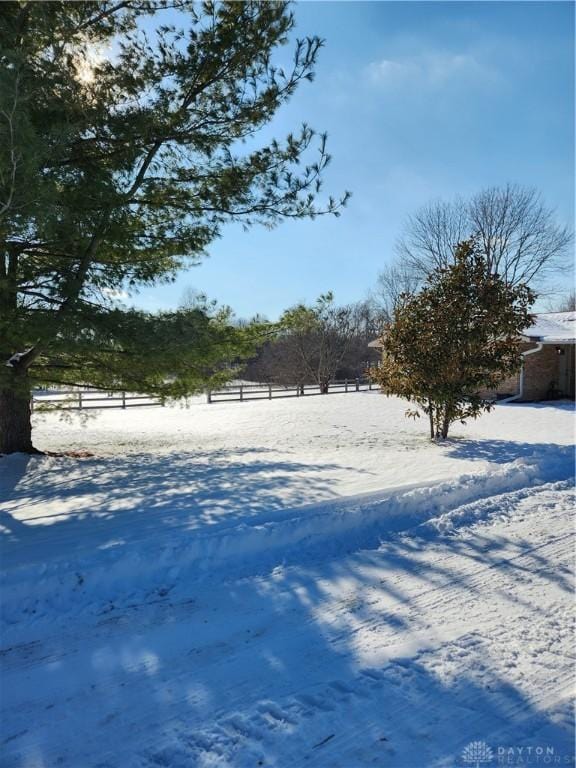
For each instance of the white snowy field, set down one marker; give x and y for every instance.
(288, 583)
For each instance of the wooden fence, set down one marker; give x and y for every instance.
(76, 399)
(245, 392)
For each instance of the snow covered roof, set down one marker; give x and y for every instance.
(548, 328)
(553, 328)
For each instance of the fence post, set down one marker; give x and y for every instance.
(370, 383)
(269, 391)
(357, 385)
(209, 395)
(346, 385)
(241, 392)
(80, 400)
(123, 399)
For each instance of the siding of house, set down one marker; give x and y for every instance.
(509, 386)
(546, 374)
(567, 371)
(540, 373)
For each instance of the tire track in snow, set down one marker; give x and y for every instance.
(243, 723)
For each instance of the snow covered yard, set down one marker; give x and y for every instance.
(289, 583)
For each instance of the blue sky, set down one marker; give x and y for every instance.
(421, 100)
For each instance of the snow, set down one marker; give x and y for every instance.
(553, 328)
(548, 327)
(16, 357)
(285, 583)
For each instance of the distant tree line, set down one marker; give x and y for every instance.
(514, 238)
(318, 343)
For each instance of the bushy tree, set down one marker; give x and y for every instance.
(127, 140)
(319, 338)
(277, 362)
(455, 339)
(316, 344)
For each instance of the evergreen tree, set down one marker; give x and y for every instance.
(455, 339)
(127, 141)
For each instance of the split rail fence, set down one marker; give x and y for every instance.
(76, 399)
(245, 392)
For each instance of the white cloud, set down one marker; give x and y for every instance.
(433, 69)
(387, 70)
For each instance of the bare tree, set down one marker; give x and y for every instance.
(393, 281)
(517, 234)
(278, 362)
(320, 336)
(369, 321)
(318, 344)
(195, 299)
(430, 236)
(569, 303)
(565, 304)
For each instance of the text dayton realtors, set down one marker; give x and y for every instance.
(540, 755)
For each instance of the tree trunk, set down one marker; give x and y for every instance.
(15, 417)
(445, 424)
(431, 417)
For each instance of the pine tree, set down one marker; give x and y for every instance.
(455, 339)
(126, 144)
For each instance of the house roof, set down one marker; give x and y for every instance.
(547, 328)
(552, 328)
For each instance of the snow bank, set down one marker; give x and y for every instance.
(120, 575)
(398, 656)
(157, 471)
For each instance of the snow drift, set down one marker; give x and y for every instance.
(118, 574)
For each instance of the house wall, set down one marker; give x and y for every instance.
(509, 386)
(567, 371)
(541, 373)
